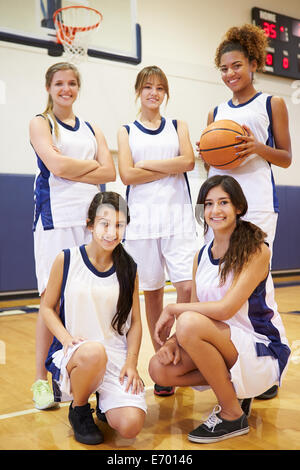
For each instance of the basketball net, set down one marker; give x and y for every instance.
(74, 26)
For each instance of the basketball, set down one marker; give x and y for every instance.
(217, 144)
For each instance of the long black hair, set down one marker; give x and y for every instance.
(123, 262)
(246, 238)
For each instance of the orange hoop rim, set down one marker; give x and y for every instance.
(76, 29)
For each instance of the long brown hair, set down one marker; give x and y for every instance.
(48, 79)
(246, 238)
(124, 264)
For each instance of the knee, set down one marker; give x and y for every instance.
(130, 426)
(185, 327)
(91, 355)
(158, 372)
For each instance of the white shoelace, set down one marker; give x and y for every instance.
(213, 419)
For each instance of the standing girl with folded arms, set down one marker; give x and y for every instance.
(154, 155)
(73, 160)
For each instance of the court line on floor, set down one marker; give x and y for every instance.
(15, 414)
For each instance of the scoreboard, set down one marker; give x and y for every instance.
(283, 52)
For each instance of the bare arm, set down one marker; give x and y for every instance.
(59, 165)
(179, 164)
(105, 171)
(128, 173)
(134, 338)
(241, 289)
(50, 301)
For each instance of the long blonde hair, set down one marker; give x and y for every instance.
(48, 79)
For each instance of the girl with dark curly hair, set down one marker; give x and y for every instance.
(265, 118)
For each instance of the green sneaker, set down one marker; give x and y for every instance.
(43, 395)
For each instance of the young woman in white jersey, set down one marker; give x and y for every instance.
(73, 159)
(98, 328)
(265, 117)
(230, 337)
(154, 155)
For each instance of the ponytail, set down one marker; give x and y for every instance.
(126, 270)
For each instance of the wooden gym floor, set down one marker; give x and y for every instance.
(274, 424)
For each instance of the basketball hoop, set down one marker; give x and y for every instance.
(74, 26)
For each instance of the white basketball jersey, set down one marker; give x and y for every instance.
(254, 174)
(158, 208)
(88, 302)
(58, 201)
(258, 316)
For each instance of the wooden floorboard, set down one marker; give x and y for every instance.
(274, 424)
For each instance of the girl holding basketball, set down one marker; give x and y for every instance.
(73, 159)
(265, 118)
(154, 155)
(230, 337)
(98, 327)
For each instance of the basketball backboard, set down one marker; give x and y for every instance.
(30, 23)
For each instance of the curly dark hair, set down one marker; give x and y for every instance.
(249, 39)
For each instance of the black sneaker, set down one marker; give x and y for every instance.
(268, 394)
(84, 427)
(246, 404)
(99, 413)
(216, 429)
(163, 391)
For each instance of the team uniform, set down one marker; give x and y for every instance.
(88, 304)
(162, 226)
(256, 330)
(61, 205)
(254, 174)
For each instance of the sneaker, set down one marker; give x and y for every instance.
(163, 391)
(43, 395)
(216, 429)
(246, 404)
(83, 424)
(268, 394)
(99, 413)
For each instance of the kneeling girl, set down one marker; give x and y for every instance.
(98, 329)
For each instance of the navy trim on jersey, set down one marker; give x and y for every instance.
(212, 259)
(215, 112)
(230, 103)
(92, 268)
(90, 127)
(49, 122)
(56, 344)
(151, 131)
(270, 140)
(270, 143)
(188, 185)
(260, 316)
(174, 121)
(67, 126)
(127, 128)
(200, 254)
(42, 197)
